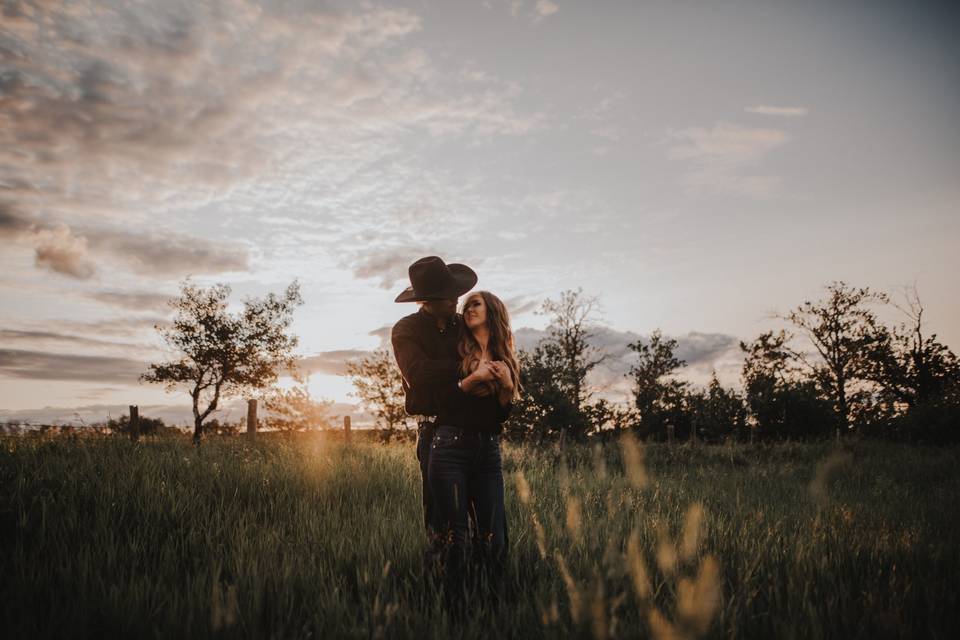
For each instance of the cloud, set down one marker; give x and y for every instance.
(134, 300)
(519, 304)
(59, 250)
(38, 365)
(718, 158)
(390, 265)
(383, 333)
(787, 112)
(330, 362)
(168, 254)
(703, 353)
(33, 337)
(544, 8)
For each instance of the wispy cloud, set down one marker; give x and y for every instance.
(769, 110)
(133, 300)
(39, 365)
(330, 362)
(719, 158)
(121, 114)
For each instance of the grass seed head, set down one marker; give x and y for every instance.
(523, 488)
(633, 461)
(637, 567)
(692, 530)
(574, 517)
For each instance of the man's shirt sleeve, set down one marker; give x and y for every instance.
(417, 368)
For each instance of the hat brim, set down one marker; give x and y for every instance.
(464, 279)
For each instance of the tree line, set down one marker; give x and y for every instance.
(836, 369)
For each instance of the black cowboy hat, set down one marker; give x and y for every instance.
(432, 279)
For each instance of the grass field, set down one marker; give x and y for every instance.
(304, 537)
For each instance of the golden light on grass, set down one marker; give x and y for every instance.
(574, 517)
(598, 612)
(633, 464)
(540, 536)
(699, 599)
(523, 488)
(661, 628)
(666, 553)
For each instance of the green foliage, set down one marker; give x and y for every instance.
(295, 409)
(782, 403)
(660, 399)
(555, 398)
(717, 413)
(379, 386)
(148, 426)
(843, 331)
(221, 353)
(293, 535)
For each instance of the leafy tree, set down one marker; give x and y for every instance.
(295, 410)
(555, 397)
(379, 386)
(660, 399)
(717, 412)
(843, 331)
(225, 354)
(919, 378)
(781, 403)
(912, 367)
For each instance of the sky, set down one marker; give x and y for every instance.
(698, 167)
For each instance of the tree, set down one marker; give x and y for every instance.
(911, 366)
(569, 331)
(555, 397)
(379, 385)
(781, 403)
(843, 331)
(295, 410)
(224, 354)
(717, 412)
(659, 398)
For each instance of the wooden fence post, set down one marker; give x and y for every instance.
(346, 428)
(134, 422)
(251, 418)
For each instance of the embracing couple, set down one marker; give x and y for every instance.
(460, 378)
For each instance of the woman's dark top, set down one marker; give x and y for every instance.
(482, 414)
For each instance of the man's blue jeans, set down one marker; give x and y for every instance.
(465, 475)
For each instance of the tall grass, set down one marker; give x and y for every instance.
(300, 537)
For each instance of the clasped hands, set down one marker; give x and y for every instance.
(489, 371)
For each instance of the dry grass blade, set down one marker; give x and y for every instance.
(637, 568)
(573, 593)
(692, 529)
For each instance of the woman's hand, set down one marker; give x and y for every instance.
(504, 378)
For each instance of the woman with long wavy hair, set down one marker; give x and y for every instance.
(465, 472)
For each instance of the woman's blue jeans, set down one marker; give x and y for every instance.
(466, 475)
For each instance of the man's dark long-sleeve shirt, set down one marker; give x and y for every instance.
(427, 357)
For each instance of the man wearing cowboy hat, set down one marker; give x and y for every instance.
(425, 346)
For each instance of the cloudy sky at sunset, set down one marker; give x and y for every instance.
(698, 166)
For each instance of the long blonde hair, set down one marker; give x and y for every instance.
(500, 344)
